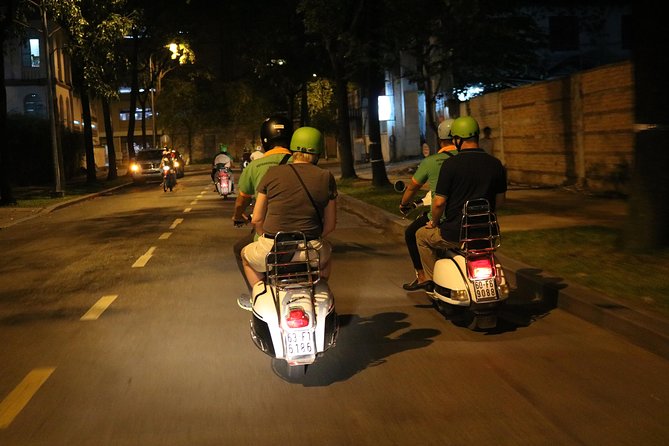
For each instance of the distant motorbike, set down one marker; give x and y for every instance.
(169, 177)
(224, 180)
(293, 319)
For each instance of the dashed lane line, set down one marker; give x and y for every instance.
(187, 210)
(142, 261)
(177, 222)
(99, 307)
(21, 395)
(164, 236)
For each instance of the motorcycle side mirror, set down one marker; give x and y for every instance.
(399, 186)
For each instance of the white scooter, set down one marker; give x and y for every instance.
(294, 319)
(471, 278)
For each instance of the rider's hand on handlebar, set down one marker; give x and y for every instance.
(239, 222)
(406, 208)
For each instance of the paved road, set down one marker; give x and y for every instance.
(170, 362)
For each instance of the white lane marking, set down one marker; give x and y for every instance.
(141, 262)
(177, 222)
(187, 210)
(99, 307)
(199, 196)
(164, 236)
(193, 202)
(21, 395)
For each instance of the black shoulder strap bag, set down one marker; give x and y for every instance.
(313, 203)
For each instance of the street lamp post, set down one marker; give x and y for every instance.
(153, 104)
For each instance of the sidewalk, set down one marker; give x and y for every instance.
(559, 208)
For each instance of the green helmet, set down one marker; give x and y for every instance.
(465, 127)
(307, 140)
(223, 148)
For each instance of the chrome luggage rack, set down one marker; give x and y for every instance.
(283, 271)
(479, 230)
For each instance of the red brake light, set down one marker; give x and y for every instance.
(481, 268)
(297, 318)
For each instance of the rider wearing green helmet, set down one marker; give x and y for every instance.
(294, 197)
(307, 144)
(464, 128)
(472, 174)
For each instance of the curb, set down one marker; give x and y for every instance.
(549, 290)
(62, 204)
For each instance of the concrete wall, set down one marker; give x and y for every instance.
(576, 130)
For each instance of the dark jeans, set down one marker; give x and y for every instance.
(410, 239)
(237, 249)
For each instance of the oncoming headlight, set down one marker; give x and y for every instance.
(134, 167)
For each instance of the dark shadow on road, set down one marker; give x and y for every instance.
(533, 297)
(365, 342)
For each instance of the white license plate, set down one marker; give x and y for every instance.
(485, 289)
(299, 343)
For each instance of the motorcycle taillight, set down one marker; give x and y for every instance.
(297, 318)
(480, 268)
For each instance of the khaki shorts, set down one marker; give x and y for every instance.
(255, 253)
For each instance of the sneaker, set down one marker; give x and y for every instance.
(244, 302)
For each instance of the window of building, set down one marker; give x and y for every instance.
(563, 33)
(33, 105)
(31, 53)
(124, 115)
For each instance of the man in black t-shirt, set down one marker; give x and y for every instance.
(472, 174)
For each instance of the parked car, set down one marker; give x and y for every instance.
(146, 165)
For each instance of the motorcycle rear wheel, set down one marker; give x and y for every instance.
(288, 372)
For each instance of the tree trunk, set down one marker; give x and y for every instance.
(374, 90)
(134, 92)
(344, 130)
(649, 207)
(6, 192)
(109, 134)
(91, 176)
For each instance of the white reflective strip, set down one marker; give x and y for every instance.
(99, 307)
(177, 222)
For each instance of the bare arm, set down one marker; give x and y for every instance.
(438, 206)
(241, 203)
(329, 217)
(259, 213)
(410, 191)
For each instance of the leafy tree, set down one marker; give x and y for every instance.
(456, 44)
(336, 24)
(7, 28)
(96, 30)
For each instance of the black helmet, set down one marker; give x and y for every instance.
(276, 131)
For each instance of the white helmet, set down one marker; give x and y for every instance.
(444, 129)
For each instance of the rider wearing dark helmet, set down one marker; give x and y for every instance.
(275, 134)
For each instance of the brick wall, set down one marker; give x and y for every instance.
(576, 130)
